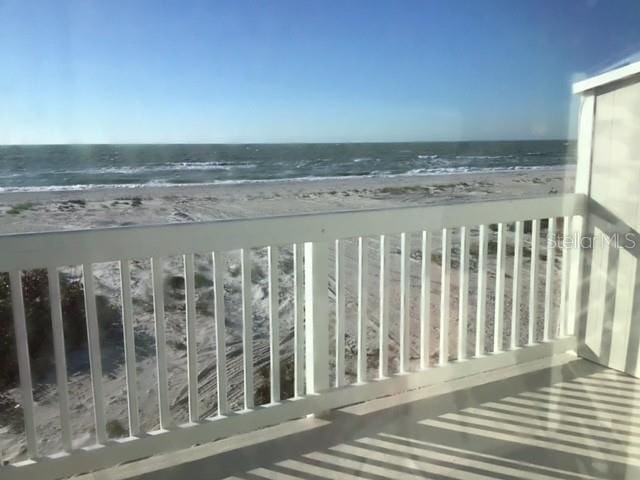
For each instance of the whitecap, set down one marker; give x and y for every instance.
(376, 174)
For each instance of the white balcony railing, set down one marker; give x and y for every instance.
(312, 237)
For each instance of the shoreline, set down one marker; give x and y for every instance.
(107, 191)
(73, 210)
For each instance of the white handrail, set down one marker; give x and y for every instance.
(36, 250)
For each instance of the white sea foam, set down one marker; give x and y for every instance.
(376, 174)
(457, 170)
(128, 170)
(362, 159)
(483, 157)
(169, 167)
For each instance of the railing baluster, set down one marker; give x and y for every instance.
(578, 226)
(95, 357)
(24, 364)
(444, 296)
(247, 329)
(60, 356)
(340, 313)
(425, 300)
(499, 306)
(363, 264)
(221, 348)
(548, 288)
(517, 287)
(298, 332)
(129, 348)
(384, 307)
(192, 361)
(161, 342)
(566, 223)
(463, 320)
(481, 312)
(533, 281)
(316, 294)
(405, 340)
(274, 323)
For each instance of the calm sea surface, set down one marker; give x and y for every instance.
(78, 167)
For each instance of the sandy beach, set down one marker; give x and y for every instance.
(106, 207)
(110, 207)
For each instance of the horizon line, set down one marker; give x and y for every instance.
(284, 143)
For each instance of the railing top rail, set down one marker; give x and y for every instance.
(73, 247)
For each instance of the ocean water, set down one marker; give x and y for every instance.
(78, 167)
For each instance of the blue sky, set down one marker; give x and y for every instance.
(297, 71)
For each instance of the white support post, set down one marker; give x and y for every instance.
(247, 330)
(220, 332)
(384, 307)
(463, 300)
(161, 342)
(316, 271)
(340, 312)
(579, 226)
(298, 331)
(95, 355)
(517, 286)
(24, 365)
(274, 322)
(548, 287)
(130, 348)
(498, 329)
(405, 322)
(425, 300)
(363, 282)
(190, 310)
(564, 282)
(57, 326)
(533, 280)
(482, 291)
(445, 287)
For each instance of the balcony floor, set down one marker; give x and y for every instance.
(557, 418)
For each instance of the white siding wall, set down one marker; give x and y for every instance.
(611, 310)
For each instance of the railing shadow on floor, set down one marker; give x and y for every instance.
(530, 426)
